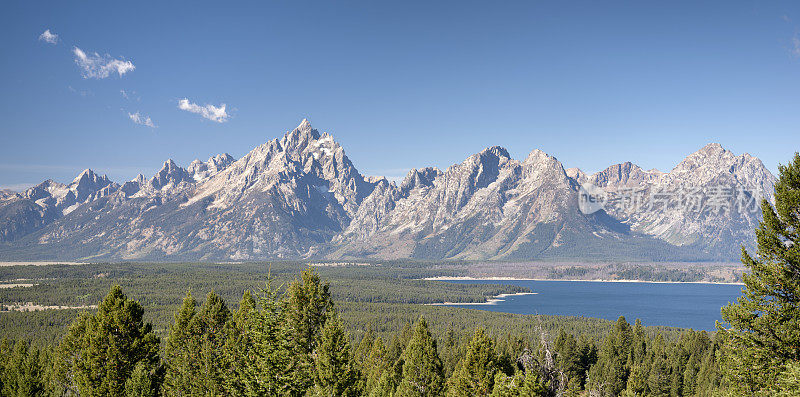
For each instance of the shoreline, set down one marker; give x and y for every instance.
(504, 278)
(489, 301)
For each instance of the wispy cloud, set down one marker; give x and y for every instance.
(96, 66)
(17, 187)
(208, 111)
(81, 92)
(130, 95)
(48, 37)
(392, 174)
(76, 168)
(796, 46)
(141, 119)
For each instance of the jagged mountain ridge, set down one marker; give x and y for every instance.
(299, 196)
(714, 198)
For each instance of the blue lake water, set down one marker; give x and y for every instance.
(672, 304)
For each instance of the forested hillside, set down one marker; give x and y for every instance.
(295, 343)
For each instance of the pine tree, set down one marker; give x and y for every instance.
(507, 386)
(5, 356)
(637, 380)
(569, 360)
(475, 373)
(272, 346)
(765, 321)
(208, 331)
(101, 350)
(179, 359)
(709, 374)
(588, 353)
(389, 381)
(658, 380)
(240, 350)
(308, 300)
(696, 345)
(306, 304)
(391, 378)
(23, 371)
(423, 373)
(375, 366)
(364, 347)
(639, 348)
(335, 372)
(522, 384)
(144, 381)
(257, 348)
(789, 381)
(610, 375)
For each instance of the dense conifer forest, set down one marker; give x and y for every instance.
(294, 343)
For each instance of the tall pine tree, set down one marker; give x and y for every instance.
(257, 348)
(179, 360)
(101, 350)
(335, 372)
(208, 331)
(423, 373)
(23, 374)
(475, 373)
(610, 375)
(375, 366)
(240, 350)
(305, 306)
(764, 333)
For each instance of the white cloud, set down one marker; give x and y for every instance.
(211, 112)
(796, 46)
(48, 37)
(141, 119)
(95, 66)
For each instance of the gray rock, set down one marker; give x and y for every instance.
(299, 196)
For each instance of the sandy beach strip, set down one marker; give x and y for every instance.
(20, 285)
(467, 278)
(33, 307)
(41, 263)
(491, 301)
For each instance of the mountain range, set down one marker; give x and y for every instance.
(299, 196)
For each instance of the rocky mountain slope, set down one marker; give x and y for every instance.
(299, 196)
(711, 199)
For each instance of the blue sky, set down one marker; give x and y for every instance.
(398, 84)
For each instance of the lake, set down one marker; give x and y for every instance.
(684, 305)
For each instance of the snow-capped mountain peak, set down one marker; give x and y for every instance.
(201, 171)
(299, 195)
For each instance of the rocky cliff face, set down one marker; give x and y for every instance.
(710, 200)
(25, 212)
(489, 206)
(300, 196)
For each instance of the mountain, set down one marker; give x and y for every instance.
(709, 201)
(299, 196)
(489, 206)
(25, 212)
